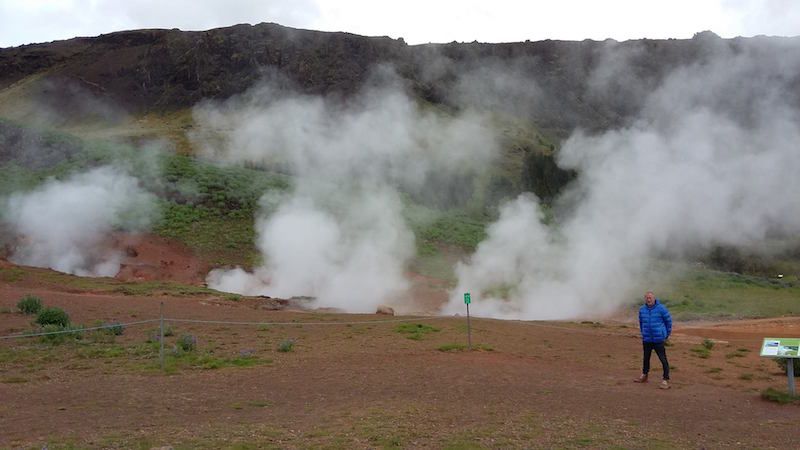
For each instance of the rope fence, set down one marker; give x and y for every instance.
(78, 330)
(217, 322)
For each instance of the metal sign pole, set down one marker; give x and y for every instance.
(161, 337)
(467, 301)
(790, 373)
(469, 331)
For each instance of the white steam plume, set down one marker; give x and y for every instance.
(713, 159)
(62, 225)
(339, 236)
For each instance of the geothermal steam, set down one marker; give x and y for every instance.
(712, 159)
(339, 235)
(62, 225)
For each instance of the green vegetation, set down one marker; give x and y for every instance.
(30, 304)
(52, 316)
(739, 353)
(415, 331)
(286, 346)
(781, 397)
(63, 333)
(455, 347)
(701, 352)
(708, 343)
(711, 294)
(186, 343)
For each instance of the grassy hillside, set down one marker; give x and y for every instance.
(211, 208)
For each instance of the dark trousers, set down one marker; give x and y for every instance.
(662, 356)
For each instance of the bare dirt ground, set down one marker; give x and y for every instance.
(149, 257)
(350, 385)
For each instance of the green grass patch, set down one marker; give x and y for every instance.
(456, 347)
(701, 352)
(737, 354)
(452, 347)
(781, 397)
(286, 346)
(13, 380)
(11, 274)
(415, 331)
(703, 294)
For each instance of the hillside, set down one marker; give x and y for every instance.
(163, 106)
(167, 70)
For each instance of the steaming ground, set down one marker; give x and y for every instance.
(63, 225)
(712, 159)
(340, 236)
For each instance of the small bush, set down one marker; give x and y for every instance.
(155, 335)
(701, 352)
(52, 316)
(187, 343)
(286, 346)
(65, 333)
(30, 304)
(708, 343)
(115, 328)
(777, 396)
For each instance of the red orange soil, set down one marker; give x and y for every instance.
(366, 386)
(149, 257)
(542, 385)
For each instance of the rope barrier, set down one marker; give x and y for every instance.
(77, 330)
(361, 322)
(220, 322)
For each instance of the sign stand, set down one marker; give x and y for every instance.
(788, 348)
(467, 301)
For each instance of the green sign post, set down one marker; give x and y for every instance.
(783, 348)
(467, 301)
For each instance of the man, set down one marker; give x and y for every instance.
(655, 324)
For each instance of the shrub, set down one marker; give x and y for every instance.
(187, 342)
(777, 396)
(115, 328)
(286, 346)
(30, 304)
(52, 316)
(708, 343)
(70, 333)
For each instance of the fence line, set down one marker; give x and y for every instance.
(78, 330)
(362, 322)
(218, 322)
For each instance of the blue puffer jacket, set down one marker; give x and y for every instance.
(655, 323)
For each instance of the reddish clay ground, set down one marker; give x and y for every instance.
(541, 384)
(149, 257)
(367, 386)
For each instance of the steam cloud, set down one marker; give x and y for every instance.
(712, 159)
(63, 224)
(340, 235)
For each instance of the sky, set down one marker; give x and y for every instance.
(416, 21)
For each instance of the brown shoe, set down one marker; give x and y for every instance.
(664, 385)
(641, 379)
